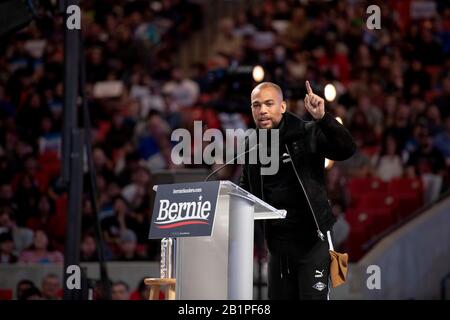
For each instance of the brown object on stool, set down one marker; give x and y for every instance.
(155, 286)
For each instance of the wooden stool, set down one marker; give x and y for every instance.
(155, 285)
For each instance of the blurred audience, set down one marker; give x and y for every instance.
(40, 251)
(393, 93)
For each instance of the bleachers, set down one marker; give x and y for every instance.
(376, 205)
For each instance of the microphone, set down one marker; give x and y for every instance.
(224, 165)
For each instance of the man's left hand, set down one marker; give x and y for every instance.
(314, 104)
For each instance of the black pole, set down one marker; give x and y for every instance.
(71, 72)
(72, 153)
(73, 227)
(93, 191)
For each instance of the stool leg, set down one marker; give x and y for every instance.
(154, 292)
(171, 293)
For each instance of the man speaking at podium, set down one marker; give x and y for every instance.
(299, 259)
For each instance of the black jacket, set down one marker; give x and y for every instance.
(308, 143)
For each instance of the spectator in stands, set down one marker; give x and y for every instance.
(361, 130)
(129, 167)
(226, 41)
(51, 287)
(265, 37)
(416, 79)
(412, 142)
(357, 166)
(6, 176)
(390, 107)
(32, 293)
(241, 26)
(142, 292)
(40, 252)
(88, 248)
(120, 291)
(183, 90)
(442, 141)
(23, 285)
(419, 110)
(401, 129)
(137, 192)
(30, 116)
(44, 219)
(23, 237)
(337, 193)
(88, 219)
(115, 226)
(27, 197)
(374, 116)
(427, 162)
(7, 248)
(434, 119)
(334, 61)
(127, 246)
(102, 164)
(443, 100)
(297, 30)
(7, 196)
(150, 141)
(427, 159)
(388, 163)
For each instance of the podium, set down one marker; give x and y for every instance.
(219, 265)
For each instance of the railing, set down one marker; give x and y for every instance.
(372, 242)
(411, 260)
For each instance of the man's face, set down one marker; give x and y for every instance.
(128, 247)
(267, 107)
(119, 292)
(7, 247)
(50, 288)
(5, 221)
(21, 289)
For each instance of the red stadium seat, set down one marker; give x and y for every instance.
(6, 294)
(383, 207)
(50, 164)
(370, 151)
(364, 218)
(358, 187)
(367, 222)
(409, 194)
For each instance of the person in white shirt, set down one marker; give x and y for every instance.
(388, 163)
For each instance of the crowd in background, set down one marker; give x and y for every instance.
(393, 93)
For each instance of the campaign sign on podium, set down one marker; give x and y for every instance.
(184, 210)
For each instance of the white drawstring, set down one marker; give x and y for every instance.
(329, 240)
(330, 244)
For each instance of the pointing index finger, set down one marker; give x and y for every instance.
(308, 87)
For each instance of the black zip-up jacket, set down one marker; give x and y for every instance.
(307, 143)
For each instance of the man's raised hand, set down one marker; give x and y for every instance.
(314, 104)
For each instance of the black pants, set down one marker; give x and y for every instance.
(293, 276)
